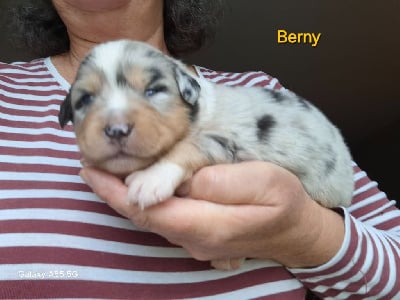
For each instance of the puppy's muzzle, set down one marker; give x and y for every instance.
(118, 131)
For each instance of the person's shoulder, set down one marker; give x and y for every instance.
(33, 66)
(248, 78)
(21, 72)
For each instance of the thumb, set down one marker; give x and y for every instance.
(242, 183)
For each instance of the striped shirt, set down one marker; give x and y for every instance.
(58, 240)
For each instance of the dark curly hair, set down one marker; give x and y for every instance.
(188, 26)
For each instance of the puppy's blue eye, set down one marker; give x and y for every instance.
(85, 100)
(155, 90)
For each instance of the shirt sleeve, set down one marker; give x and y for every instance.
(368, 264)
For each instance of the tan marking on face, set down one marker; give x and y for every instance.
(152, 136)
(91, 81)
(137, 77)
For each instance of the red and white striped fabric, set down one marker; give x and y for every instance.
(58, 240)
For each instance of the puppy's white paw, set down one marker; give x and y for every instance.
(154, 184)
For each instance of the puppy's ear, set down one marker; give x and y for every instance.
(189, 88)
(65, 115)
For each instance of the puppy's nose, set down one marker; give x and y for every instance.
(118, 131)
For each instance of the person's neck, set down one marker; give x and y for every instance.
(87, 29)
(68, 63)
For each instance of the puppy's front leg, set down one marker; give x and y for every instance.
(160, 180)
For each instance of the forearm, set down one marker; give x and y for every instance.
(316, 239)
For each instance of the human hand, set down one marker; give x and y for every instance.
(250, 209)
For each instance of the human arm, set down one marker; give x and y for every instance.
(264, 227)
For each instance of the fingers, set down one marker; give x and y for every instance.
(205, 229)
(175, 215)
(179, 220)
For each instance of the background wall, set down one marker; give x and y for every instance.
(352, 75)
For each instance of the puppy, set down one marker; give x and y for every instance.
(145, 116)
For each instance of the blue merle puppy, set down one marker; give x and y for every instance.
(145, 116)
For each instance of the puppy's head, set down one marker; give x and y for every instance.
(129, 105)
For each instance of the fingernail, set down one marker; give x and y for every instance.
(183, 190)
(84, 163)
(85, 177)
